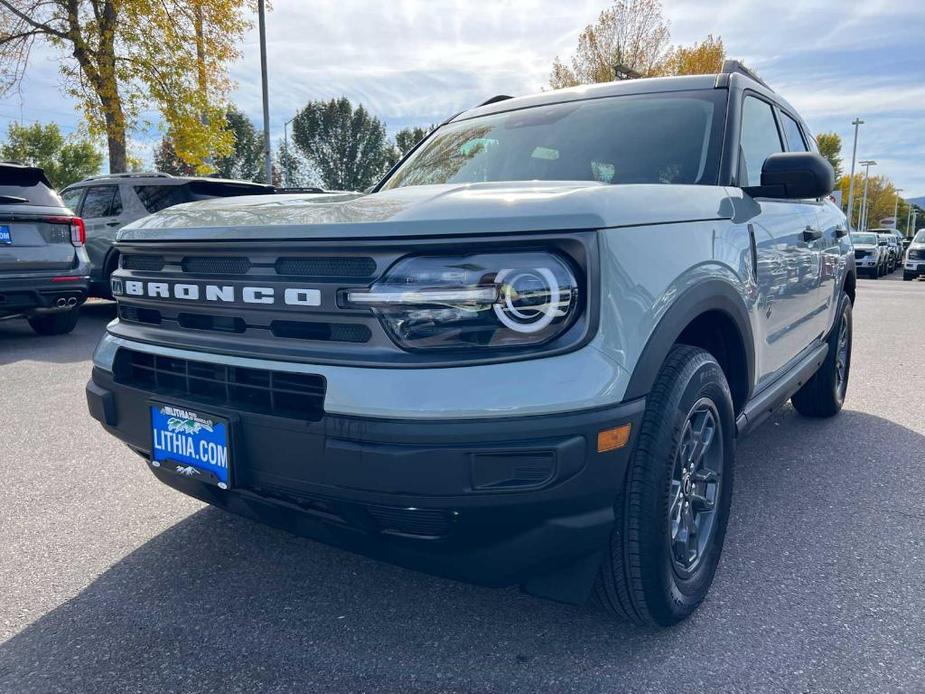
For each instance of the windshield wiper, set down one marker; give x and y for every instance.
(12, 200)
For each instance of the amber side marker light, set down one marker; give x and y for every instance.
(612, 439)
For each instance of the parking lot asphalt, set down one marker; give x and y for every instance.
(110, 582)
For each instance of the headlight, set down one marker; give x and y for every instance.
(486, 300)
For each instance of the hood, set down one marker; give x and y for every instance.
(864, 246)
(478, 208)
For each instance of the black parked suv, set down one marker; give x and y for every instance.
(43, 265)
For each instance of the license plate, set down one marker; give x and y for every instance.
(191, 443)
(5, 236)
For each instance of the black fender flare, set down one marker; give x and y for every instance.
(708, 295)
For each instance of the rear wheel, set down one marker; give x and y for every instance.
(672, 511)
(824, 394)
(55, 323)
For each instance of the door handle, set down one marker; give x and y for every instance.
(810, 234)
(112, 224)
(841, 232)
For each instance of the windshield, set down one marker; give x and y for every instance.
(920, 237)
(656, 138)
(870, 239)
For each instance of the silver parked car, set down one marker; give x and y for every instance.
(108, 203)
(524, 358)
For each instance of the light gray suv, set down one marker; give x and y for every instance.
(107, 203)
(524, 358)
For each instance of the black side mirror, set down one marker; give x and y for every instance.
(794, 176)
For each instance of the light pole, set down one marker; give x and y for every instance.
(262, 27)
(896, 209)
(286, 148)
(862, 222)
(854, 151)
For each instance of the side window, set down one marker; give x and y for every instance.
(72, 199)
(795, 140)
(758, 141)
(116, 208)
(157, 198)
(98, 202)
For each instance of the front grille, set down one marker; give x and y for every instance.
(861, 254)
(327, 332)
(422, 522)
(323, 266)
(149, 263)
(134, 314)
(297, 396)
(216, 266)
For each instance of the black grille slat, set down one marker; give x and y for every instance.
(407, 521)
(325, 266)
(208, 265)
(325, 332)
(254, 390)
(149, 263)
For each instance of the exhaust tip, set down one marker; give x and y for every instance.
(72, 301)
(61, 302)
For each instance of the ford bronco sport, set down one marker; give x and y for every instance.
(524, 358)
(43, 265)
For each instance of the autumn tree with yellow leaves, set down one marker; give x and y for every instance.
(120, 56)
(632, 39)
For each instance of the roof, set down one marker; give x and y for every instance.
(20, 175)
(734, 76)
(160, 179)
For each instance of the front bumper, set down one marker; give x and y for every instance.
(496, 501)
(914, 268)
(27, 295)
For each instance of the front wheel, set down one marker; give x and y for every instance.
(672, 511)
(55, 323)
(824, 394)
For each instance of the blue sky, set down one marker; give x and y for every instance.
(415, 62)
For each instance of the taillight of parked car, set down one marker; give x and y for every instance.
(76, 226)
(486, 300)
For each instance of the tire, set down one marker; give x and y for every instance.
(55, 323)
(824, 394)
(643, 578)
(907, 278)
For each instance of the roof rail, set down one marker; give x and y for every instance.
(131, 174)
(737, 66)
(495, 99)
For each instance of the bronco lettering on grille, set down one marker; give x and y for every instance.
(292, 296)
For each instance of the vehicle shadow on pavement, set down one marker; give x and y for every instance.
(219, 603)
(19, 343)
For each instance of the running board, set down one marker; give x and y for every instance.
(763, 405)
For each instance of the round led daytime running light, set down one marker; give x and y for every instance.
(515, 318)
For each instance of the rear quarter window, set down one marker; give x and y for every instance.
(157, 198)
(99, 202)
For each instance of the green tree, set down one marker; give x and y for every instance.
(117, 56)
(166, 160)
(406, 138)
(345, 145)
(830, 147)
(629, 39)
(245, 161)
(64, 161)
